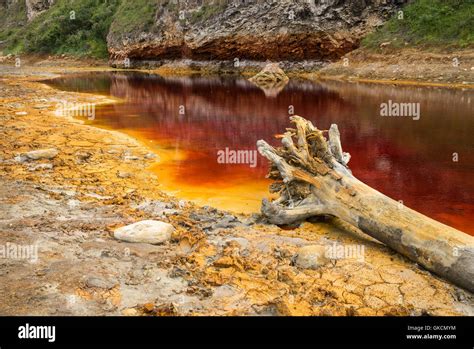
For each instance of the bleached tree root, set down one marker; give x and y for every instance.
(312, 178)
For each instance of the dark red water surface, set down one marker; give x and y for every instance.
(405, 159)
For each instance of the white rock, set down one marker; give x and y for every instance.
(311, 257)
(148, 231)
(41, 154)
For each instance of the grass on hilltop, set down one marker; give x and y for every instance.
(437, 24)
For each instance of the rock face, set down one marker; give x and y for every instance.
(251, 30)
(35, 7)
(148, 231)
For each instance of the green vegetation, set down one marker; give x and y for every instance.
(75, 27)
(429, 24)
(134, 16)
(425, 24)
(12, 19)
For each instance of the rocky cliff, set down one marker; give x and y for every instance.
(200, 30)
(253, 30)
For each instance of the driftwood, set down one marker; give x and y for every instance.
(313, 179)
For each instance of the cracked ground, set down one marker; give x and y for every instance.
(217, 263)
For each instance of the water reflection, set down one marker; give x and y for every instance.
(194, 117)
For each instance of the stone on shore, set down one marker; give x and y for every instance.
(311, 257)
(272, 79)
(97, 282)
(41, 154)
(270, 73)
(147, 231)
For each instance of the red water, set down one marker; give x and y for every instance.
(408, 160)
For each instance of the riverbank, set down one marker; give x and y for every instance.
(216, 263)
(403, 67)
(383, 66)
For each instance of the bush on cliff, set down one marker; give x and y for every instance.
(77, 27)
(137, 15)
(440, 24)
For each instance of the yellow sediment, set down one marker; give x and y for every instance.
(264, 278)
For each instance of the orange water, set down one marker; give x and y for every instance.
(408, 160)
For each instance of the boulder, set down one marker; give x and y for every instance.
(271, 79)
(40, 154)
(97, 282)
(147, 231)
(311, 257)
(270, 73)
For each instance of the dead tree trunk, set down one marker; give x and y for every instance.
(312, 178)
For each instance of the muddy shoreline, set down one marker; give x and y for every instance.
(383, 66)
(217, 263)
(403, 67)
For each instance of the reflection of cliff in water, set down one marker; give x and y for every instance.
(217, 112)
(405, 159)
